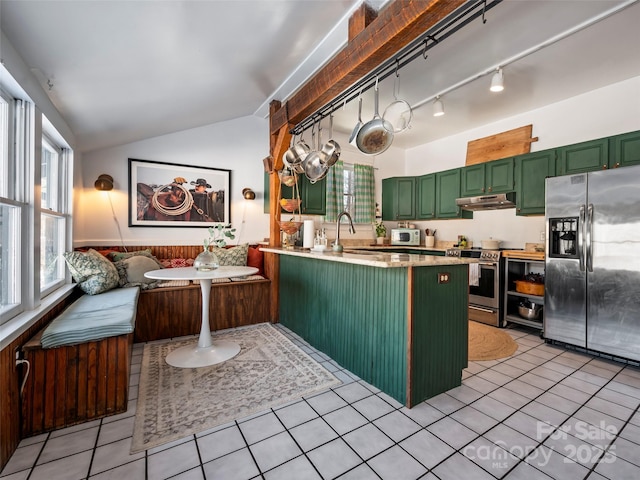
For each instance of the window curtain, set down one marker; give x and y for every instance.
(364, 194)
(335, 191)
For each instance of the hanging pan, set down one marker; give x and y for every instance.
(356, 129)
(330, 150)
(296, 154)
(398, 114)
(376, 135)
(314, 167)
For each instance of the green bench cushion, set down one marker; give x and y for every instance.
(93, 317)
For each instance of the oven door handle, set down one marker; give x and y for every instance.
(488, 310)
(488, 264)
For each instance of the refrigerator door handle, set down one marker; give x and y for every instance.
(581, 246)
(589, 239)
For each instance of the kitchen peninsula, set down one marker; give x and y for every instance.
(398, 321)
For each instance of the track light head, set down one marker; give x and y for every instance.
(438, 107)
(497, 81)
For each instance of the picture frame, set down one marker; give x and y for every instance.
(175, 195)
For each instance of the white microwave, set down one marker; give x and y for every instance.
(405, 236)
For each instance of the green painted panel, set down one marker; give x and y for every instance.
(440, 330)
(353, 313)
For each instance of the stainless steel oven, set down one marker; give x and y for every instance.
(485, 297)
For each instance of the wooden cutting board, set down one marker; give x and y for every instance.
(523, 254)
(502, 145)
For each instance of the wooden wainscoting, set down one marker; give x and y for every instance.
(75, 383)
(177, 311)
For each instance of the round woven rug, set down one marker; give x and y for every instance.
(489, 343)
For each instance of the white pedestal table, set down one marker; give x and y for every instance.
(206, 352)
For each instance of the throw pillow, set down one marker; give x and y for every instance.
(131, 272)
(234, 256)
(255, 258)
(176, 262)
(118, 256)
(92, 272)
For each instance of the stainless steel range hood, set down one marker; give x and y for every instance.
(488, 202)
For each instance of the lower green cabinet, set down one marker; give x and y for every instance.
(531, 171)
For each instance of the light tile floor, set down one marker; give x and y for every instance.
(546, 412)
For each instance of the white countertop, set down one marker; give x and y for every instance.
(373, 258)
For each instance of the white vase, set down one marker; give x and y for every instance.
(380, 240)
(206, 261)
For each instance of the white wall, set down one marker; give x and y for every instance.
(607, 111)
(238, 145)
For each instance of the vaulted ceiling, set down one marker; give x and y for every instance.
(125, 71)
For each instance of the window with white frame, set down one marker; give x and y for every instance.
(53, 216)
(11, 214)
(35, 216)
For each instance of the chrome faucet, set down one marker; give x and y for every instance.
(336, 246)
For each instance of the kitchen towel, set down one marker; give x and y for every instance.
(308, 233)
(474, 274)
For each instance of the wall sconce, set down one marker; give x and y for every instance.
(438, 107)
(104, 183)
(497, 81)
(248, 194)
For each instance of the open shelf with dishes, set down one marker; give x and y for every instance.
(524, 292)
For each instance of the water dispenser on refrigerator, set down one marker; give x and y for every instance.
(563, 237)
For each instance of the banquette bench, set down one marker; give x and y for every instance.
(80, 362)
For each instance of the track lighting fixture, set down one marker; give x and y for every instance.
(497, 81)
(438, 107)
(104, 183)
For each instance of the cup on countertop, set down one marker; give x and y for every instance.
(429, 241)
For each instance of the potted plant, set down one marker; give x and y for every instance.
(207, 260)
(381, 232)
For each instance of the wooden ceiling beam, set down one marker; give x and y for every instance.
(396, 26)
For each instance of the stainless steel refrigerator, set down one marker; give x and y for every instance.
(592, 275)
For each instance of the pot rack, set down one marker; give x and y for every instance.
(464, 15)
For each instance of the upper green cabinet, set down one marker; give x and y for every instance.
(531, 170)
(447, 190)
(583, 157)
(486, 178)
(313, 195)
(426, 196)
(624, 150)
(399, 198)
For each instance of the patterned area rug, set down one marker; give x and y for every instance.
(489, 343)
(176, 402)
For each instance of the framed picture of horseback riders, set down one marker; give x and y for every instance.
(174, 195)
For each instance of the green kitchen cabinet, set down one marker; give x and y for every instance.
(313, 196)
(426, 196)
(447, 190)
(399, 198)
(484, 178)
(624, 150)
(531, 170)
(583, 157)
(472, 180)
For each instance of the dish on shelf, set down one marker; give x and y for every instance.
(530, 288)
